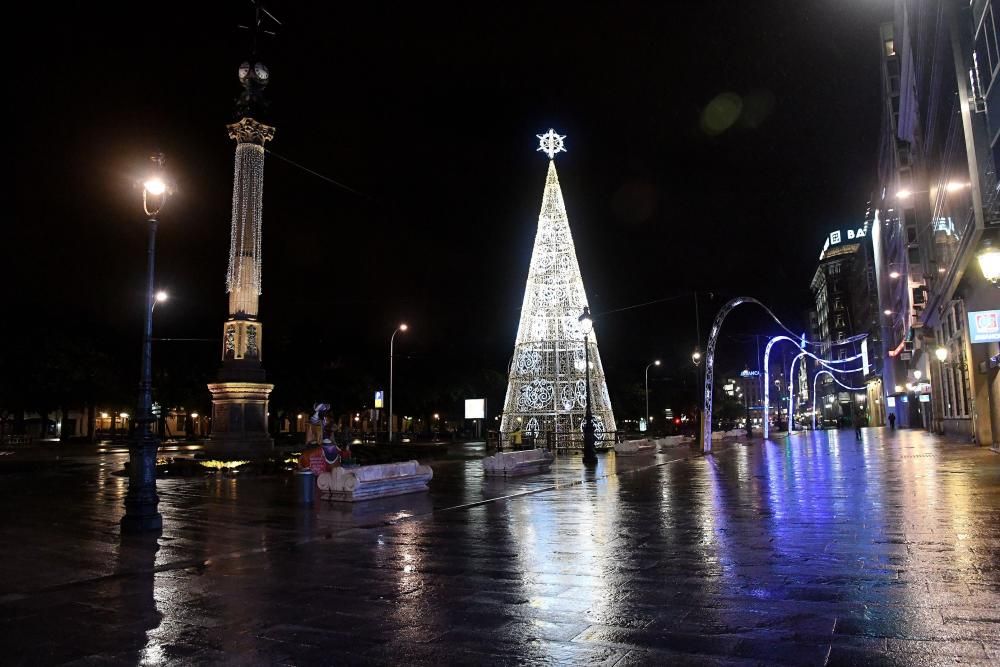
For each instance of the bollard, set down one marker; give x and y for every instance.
(307, 486)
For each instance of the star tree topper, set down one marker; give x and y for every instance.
(551, 143)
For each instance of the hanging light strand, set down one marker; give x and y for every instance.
(245, 230)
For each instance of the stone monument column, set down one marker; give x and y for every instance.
(240, 395)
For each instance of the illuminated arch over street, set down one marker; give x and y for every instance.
(823, 362)
(713, 337)
(767, 376)
(825, 372)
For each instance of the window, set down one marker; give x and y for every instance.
(890, 48)
(980, 64)
(991, 38)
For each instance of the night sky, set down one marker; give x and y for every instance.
(431, 115)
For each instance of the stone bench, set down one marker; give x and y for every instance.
(634, 447)
(524, 462)
(377, 481)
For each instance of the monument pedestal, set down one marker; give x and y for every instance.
(239, 417)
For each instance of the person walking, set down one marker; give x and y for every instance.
(892, 421)
(858, 423)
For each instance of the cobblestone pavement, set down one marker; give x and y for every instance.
(818, 550)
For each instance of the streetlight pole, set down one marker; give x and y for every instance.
(699, 394)
(392, 340)
(141, 501)
(696, 359)
(746, 401)
(589, 439)
(654, 363)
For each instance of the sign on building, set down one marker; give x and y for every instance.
(379, 399)
(984, 326)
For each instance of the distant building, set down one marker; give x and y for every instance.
(846, 303)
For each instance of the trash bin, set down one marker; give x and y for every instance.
(307, 485)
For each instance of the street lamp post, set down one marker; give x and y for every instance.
(696, 360)
(392, 340)
(654, 363)
(141, 501)
(746, 401)
(589, 439)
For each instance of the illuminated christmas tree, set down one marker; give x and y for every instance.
(547, 390)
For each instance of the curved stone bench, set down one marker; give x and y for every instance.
(524, 462)
(634, 447)
(378, 481)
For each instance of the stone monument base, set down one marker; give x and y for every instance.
(239, 418)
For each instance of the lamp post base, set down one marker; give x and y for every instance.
(141, 501)
(148, 523)
(589, 442)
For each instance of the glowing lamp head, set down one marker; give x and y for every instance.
(894, 274)
(989, 262)
(403, 327)
(904, 194)
(887, 312)
(194, 415)
(955, 186)
(161, 296)
(586, 321)
(155, 186)
(154, 189)
(696, 356)
(941, 353)
(656, 363)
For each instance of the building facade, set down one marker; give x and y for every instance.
(938, 207)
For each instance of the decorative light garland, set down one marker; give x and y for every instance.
(825, 372)
(767, 377)
(713, 337)
(547, 387)
(822, 362)
(245, 228)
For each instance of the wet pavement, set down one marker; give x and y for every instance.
(818, 550)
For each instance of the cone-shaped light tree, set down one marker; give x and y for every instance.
(547, 390)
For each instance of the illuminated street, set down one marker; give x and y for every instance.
(821, 551)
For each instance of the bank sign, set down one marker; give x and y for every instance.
(839, 236)
(984, 326)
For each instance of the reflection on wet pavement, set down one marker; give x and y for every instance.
(818, 550)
